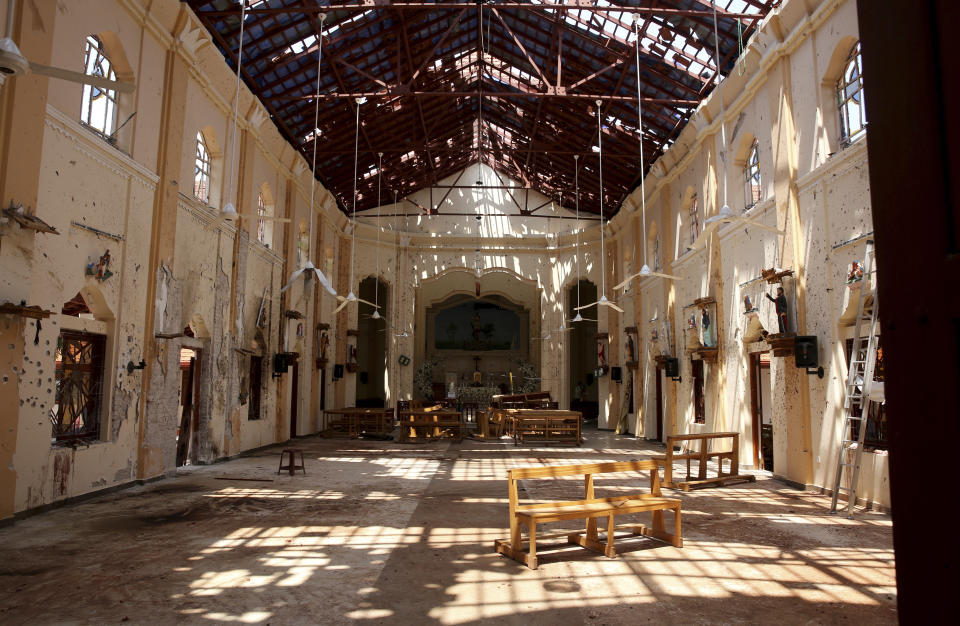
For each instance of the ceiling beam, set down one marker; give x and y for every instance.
(397, 91)
(404, 5)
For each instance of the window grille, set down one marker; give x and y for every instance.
(751, 176)
(261, 223)
(99, 110)
(853, 114)
(201, 171)
(79, 374)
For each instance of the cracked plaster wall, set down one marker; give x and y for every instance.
(786, 63)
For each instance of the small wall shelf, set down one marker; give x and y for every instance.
(29, 221)
(775, 276)
(708, 355)
(782, 344)
(22, 310)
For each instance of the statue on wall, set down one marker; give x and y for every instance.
(601, 354)
(780, 303)
(100, 269)
(748, 305)
(324, 344)
(630, 354)
(856, 272)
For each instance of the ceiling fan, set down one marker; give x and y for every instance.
(229, 212)
(576, 178)
(308, 271)
(352, 297)
(396, 255)
(603, 270)
(645, 269)
(13, 63)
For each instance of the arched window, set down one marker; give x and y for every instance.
(694, 220)
(264, 226)
(853, 118)
(99, 109)
(201, 171)
(751, 177)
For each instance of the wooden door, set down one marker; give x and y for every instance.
(756, 406)
(294, 392)
(187, 410)
(659, 405)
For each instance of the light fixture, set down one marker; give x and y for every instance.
(603, 301)
(644, 269)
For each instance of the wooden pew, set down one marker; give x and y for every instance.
(589, 508)
(534, 400)
(703, 455)
(431, 424)
(352, 421)
(548, 426)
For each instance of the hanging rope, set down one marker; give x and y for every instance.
(353, 217)
(376, 292)
(576, 182)
(603, 256)
(723, 121)
(643, 171)
(316, 131)
(236, 103)
(741, 60)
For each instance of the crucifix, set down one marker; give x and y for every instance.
(476, 369)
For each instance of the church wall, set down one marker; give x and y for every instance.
(170, 269)
(813, 190)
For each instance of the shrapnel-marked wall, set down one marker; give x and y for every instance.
(816, 191)
(177, 267)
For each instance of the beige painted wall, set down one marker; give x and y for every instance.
(173, 269)
(813, 189)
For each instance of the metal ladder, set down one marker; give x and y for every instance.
(863, 358)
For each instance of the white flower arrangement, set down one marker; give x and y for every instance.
(423, 377)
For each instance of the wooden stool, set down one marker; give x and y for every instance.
(292, 463)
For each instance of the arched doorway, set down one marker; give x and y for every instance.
(582, 351)
(372, 344)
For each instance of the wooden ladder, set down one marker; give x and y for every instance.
(860, 369)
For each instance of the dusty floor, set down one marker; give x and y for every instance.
(403, 534)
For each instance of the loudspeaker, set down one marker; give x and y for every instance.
(805, 353)
(672, 367)
(279, 364)
(616, 373)
(338, 371)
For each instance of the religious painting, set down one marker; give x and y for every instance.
(477, 325)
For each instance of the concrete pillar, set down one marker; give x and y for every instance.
(792, 246)
(22, 113)
(163, 234)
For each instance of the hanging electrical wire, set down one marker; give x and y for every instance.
(309, 270)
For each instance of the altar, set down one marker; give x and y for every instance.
(481, 396)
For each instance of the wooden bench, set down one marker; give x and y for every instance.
(702, 455)
(589, 508)
(431, 424)
(352, 421)
(546, 426)
(534, 400)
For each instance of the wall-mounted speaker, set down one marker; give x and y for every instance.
(338, 371)
(672, 368)
(805, 352)
(616, 374)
